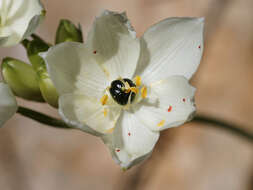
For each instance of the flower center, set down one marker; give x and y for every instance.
(123, 91)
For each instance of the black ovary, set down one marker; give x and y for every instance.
(119, 95)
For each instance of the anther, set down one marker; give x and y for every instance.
(161, 123)
(134, 89)
(110, 130)
(138, 80)
(104, 99)
(144, 92)
(105, 112)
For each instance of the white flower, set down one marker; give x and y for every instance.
(126, 89)
(18, 20)
(8, 104)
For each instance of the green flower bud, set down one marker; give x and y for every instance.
(22, 79)
(47, 89)
(67, 31)
(33, 48)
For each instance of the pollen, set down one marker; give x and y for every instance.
(170, 108)
(104, 99)
(138, 80)
(144, 92)
(94, 51)
(183, 99)
(126, 90)
(161, 123)
(134, 89)
(105, 112)
(110, 130)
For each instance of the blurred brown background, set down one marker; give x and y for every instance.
(192, 157)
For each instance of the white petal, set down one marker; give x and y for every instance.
(113, 40)
(173, 46)
(72, 68)
(21, 18)
(131, 142)
(87, 114)
(8, 104)
(174, 105)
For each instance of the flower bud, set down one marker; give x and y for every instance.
(67, 31)
(47, 89)
(33, 48)
(22, 79)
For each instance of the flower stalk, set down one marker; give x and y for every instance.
(222, 124)
(42, 118)
(212, 122)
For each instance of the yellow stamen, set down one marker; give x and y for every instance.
(161, 123)
(104, 99)
(127, 90)
(138, 80)
(134, 89)
(127, 86)
(144, 92)
(105, 112)
(110, 130)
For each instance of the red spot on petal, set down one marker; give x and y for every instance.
(129, 134)
(169, 109)
(117, 150)
(183, 99)
(199, 46)
(94, 51)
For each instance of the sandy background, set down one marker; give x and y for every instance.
(192, 157)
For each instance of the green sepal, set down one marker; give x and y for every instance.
(33, 48)
(22, 79)
(68, 32)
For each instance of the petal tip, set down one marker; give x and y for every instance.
(105, 12)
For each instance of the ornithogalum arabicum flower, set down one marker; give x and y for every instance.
(125, 89)
(18, 20)
(8, 104)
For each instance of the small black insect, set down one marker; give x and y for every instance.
(119, 94)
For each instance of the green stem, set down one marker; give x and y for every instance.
(48, 120)
(42, 118)
(224, 125)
